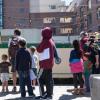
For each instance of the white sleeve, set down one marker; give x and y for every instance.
(36, 59)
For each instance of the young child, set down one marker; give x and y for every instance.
(23, 65)
(4, 70)
(76, 66)
(34, 64)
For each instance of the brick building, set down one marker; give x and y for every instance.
(36, 14)
(61, 22)
(1, 14)
(16, 14)
(93, 14)
(88, 14)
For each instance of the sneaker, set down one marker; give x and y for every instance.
(14, 89)
(38, 97)
(76, 91)
(81, 91)
(49, 98)
(32, 95)
(46, 97)
(33, 88)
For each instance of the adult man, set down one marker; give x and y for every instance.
(12, 49)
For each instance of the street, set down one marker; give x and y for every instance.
(60, 93)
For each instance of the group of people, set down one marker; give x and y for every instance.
(84, 60)
(24, 63)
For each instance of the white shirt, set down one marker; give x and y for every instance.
(34, 60)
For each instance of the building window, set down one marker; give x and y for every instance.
(21, 10)
(89, 19)
(54, 31)
(98, 13)
(52, 6)
(98, 28)
(21, 0)
(22, 22)
(89, 4)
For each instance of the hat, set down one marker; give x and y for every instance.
(33, 47)
(83, 33)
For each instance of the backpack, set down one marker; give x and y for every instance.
(13, 47)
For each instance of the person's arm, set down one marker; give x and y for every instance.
(30, 60)
(70, 57)
(97, 61)
(9, 45)
(17, 60)
(56, 56)
(41, 46)
(55, 52)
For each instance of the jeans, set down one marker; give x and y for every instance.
(87, 82)
(24, 79)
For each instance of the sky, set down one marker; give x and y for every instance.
(68, 1)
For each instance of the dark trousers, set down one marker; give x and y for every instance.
(95, 70)
(45, 78)
(87, 81)
(24, 79)
(78, 77)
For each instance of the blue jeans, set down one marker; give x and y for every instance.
(87, 82)
(24, 79)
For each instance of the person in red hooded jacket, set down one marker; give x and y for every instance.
(46, 61)
(84, 39)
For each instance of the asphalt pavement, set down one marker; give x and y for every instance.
(60, 93)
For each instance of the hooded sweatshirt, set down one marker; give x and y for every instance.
(46, 49)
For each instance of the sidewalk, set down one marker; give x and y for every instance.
(60, 93)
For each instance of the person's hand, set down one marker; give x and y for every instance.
(58, 60)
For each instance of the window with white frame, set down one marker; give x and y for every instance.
(89, 4)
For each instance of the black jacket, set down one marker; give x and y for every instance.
(23, 60)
